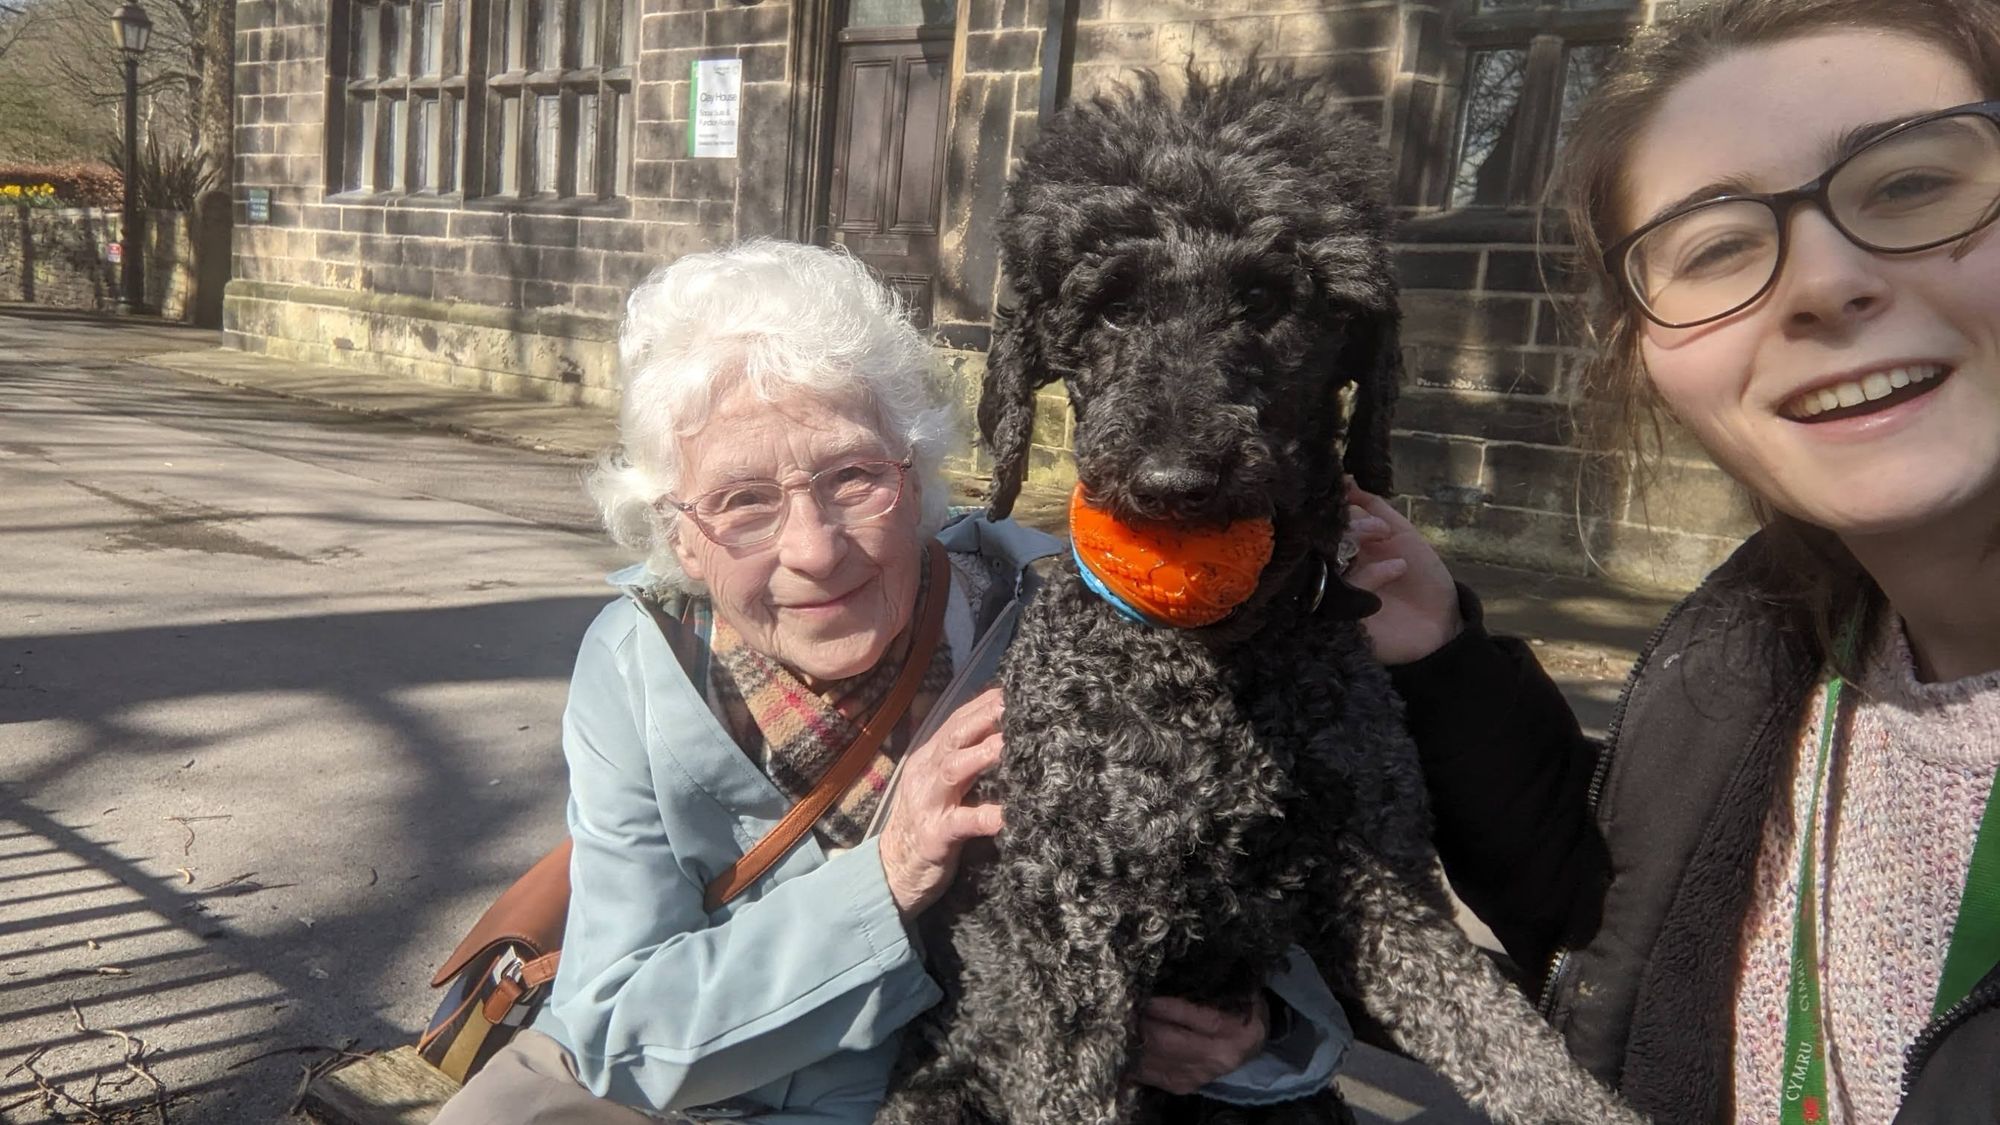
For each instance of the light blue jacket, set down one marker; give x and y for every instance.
(785, 1006)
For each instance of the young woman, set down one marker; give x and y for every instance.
(1775, 894)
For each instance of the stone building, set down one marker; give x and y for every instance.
(465, 189)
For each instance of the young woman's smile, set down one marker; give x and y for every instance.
(1861, 392)
(1868, 394)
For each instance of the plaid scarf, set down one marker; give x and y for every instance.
(795, 734)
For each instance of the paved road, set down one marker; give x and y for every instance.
(278, 700)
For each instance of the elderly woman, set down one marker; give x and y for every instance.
(782, 435)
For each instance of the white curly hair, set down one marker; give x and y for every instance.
(786, 320)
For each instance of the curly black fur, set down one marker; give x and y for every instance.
(1173, 260)
(1207, 275)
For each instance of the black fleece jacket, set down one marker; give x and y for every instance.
(1623, 872)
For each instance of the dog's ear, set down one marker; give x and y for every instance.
(1373, 360)
(1015, 370)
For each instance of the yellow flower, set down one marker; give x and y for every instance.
(34, 195)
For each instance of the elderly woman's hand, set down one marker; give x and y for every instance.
(1185, 1046)
(928, 818)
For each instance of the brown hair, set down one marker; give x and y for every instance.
(1810, 565)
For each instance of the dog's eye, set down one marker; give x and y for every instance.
(1117, 314)
(1264, 303)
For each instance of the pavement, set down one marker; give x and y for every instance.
(278, 677)
(1586, 631)
(280, 696)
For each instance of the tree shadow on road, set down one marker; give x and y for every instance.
(289, 822)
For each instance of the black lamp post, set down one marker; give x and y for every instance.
(133, 30)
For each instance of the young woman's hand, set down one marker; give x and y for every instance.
(929, 820)
(1419, 611)
(1185, 1046)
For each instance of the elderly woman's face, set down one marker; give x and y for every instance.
(822, 599)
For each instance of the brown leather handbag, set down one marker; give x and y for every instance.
(499, 976)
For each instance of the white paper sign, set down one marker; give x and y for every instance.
(715, 104)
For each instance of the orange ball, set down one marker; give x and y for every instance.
(1185, 577)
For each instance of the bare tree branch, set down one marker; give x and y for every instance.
(15, 21)
(71, 77)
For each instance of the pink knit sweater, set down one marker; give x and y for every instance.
(1905, 792)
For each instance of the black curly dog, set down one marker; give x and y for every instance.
(1211, 277)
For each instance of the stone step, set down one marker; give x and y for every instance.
(393, 1088)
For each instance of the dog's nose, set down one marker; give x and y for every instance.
(1165, 482)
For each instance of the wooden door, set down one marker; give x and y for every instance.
(888, 154)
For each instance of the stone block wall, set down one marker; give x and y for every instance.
(1494, 437)
(523, 296)
(172, 254)
(540, 355)
(996, 96)
(63, 258)
(1352, 43)
(446, 281)
(1499, 453)
(59, 258)
(442, 287)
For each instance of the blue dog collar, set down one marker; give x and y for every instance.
(1097, 586)
(1132, 613)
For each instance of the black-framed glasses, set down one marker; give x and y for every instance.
(748, 512)
(1920, 184)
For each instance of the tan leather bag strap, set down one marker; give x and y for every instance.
(739, 876)
(531, 913)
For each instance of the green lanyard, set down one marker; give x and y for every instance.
(1802, 1088)
(1975, 938)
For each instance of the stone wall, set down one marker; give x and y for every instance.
(1354, 44)
(1493, 432)
(63, 258)
(58, 257)
(523, 296)
(540, 354)
(440, 281)
(996, 99)
(172, 256)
